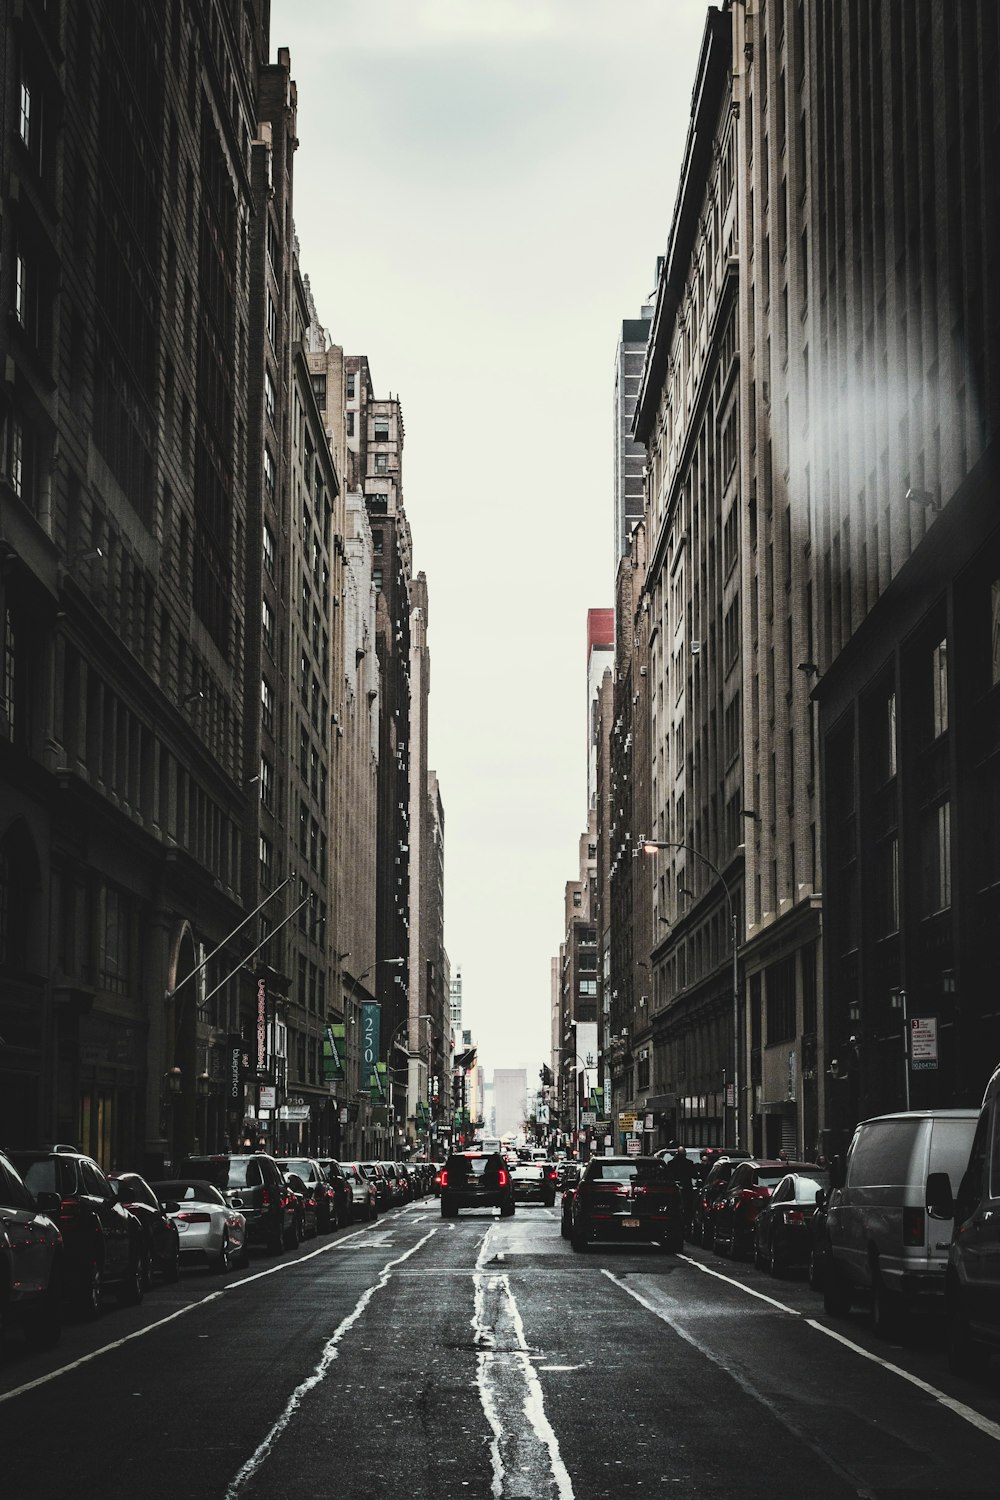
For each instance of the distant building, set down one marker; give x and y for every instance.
(600, 654)
(629, 455)
(510, 1100)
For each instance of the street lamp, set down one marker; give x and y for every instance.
(652, 846)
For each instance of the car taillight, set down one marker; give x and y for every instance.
(504, 1177)
(265, 1197)
(443, 1179)
(70, 1210)
(913, 1226)
(744, 1195)
(193, 1218)
(550, 1173)
(795, 1216)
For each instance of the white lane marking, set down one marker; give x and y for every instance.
(509, 1391)
(744, 1384)
(285, 1265)
(330, 1353)
(967, 1413)
(106, 1348)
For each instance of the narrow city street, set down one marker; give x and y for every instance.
(475, 1357)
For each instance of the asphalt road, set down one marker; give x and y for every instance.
(478, 1357)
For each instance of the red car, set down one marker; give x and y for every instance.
(734, 1213)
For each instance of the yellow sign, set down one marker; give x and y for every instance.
(626, 1121)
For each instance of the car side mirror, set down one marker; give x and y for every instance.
(821, 1199)
(938, 1197)
(838, 1172)
(48, 1203)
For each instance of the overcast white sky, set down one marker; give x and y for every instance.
(482, 188)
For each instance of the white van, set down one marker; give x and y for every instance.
(882, 1246)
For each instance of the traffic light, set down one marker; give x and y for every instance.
(456, 1091)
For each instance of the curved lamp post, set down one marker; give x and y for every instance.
(652, 846)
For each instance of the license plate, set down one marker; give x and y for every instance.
(630, 1223)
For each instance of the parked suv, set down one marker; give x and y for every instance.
(476, 1179)
(254, 1184)
(103, 1241)
(881, 1245)
(31, 1250)
(972, 1278)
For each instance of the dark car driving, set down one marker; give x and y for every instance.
(627, 1198)
(476, 1179)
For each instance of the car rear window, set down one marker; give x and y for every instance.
(293, 1164)
(768, 1179)
(188, 1192)
(653, 1170)
(882, 1153)
(47, 1174)
(474, 1166)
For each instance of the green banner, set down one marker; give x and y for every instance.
(379, 1078)
(333, 1054)
(597, 1101)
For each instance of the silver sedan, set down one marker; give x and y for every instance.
(208, 1228)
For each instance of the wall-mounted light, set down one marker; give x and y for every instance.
(192, 697)
(173, 1081)
(809, 668)
(90, 554)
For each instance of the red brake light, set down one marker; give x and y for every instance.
(194, 1218)
(443, 1179)
(796, 1216)
(913, 1226)
(504, 1177)
(69, 1208)
(265, 1198)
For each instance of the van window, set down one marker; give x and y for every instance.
(951, 1141)
(882, 1153)
(995, 1156)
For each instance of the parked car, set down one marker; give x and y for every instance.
(337, 1179)
(734, 1211)
(783, 1230)
(375, 1171)
(31, 1262)
(306, 1208)
(817, 1240)
(159, 1232)
(881, 1246)
(253, 1183)
(102, 1240)
(535, 1177)
(329, 1210)
(630, 1198)
(476, 1179)
(209, 1229)
(972, 1274)
(713, 1185)
(364, 1197)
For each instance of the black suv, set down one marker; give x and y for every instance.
(103, 1241)
(31, 1250)
(476, 1179)
(254, 1184)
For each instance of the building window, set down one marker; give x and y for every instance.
(939, 672)
(377, 580)
(381, 429)
(267, 625)
(266, 705)
(266, 862)
(266, 782)
(381, 463)
(936, 858)
(116, 948)
(350, 424)
(269, 471)
(268, 545)
(8, 666)
(781, 1002)
(377, 543)
(351, 386)
(319, 390)
(272, 322)
(270, 399)
(888, 886)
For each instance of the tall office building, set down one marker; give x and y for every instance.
(629, 454)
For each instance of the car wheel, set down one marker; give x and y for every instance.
(448, 1210)
(773, 1261)
(91, 1292)
(172, 1265)
(45, 1328)
(816, 1269)
(564, 1227)
(578, 1240)
(719, 1245)
(758, 1254)
(131, 1289)
(965, 1356)
(836, 1292)
(506, 1210)
(223, 1261)
(886, 1308)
